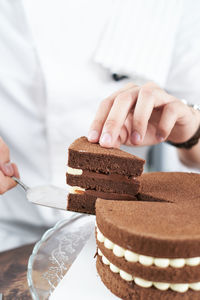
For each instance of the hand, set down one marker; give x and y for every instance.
(142, 115)
(7, 169)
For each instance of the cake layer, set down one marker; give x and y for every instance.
(186, 274)
(131, 256)
(173, 187)
(105, 183)
(92, 157)
(157, 229)
(84, 202)
(128, 290)
(164, 286)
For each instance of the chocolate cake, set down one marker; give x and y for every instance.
(96, 172)
(150, 249)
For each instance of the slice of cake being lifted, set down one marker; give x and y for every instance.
(97, 172)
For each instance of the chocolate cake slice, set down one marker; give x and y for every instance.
(96, 172)
(151, 249)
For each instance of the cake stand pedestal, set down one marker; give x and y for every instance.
(53, 255)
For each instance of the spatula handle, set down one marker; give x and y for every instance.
(24, 186)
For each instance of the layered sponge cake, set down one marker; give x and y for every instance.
(96, 172)
(149, 240)
(150, 249)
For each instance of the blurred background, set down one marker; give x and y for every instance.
(58, 60)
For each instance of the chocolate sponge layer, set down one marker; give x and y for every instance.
(157, 229)
(168, 229)
(87, 156)
(85, 202)
(186, 274)
(175, 187)
(130, 291)
(105, 183)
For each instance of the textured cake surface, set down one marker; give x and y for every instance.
(100, 172)
(105, 183)
(93, 157)
(170, 186)
(131, 291)
(85, 202)
(187, 273)
(161, 229)
(135, 238)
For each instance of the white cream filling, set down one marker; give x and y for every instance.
(145, 260)
(163, 286)
(75, 189)
(74, 171)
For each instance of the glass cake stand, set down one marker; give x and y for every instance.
(53, 255)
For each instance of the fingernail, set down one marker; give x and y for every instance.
(136, 137)
(93, 135)
(106, 139)
(160, 138)
(8, 169)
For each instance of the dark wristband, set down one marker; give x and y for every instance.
(188, 144)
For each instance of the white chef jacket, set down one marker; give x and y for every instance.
(51, 85)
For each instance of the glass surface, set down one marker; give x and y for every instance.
(53, 255)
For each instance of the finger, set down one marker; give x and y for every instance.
(150, 137)
(100, 117)
(150, 96)
(161, 96)
(117, 143)
(6, 183)
(128, 124)
(183, 117)
(117, 116)
(167, 121)
(7, 169)
(142, 113)
(122, 138)
(4, 151)
(123, 135)
(102, 114)
(16, 171)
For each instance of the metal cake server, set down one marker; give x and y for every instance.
(47, 195)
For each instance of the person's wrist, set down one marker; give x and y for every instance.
(189, 143)
(194, 139)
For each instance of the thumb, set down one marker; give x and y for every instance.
(16, 171)
(7, 169)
